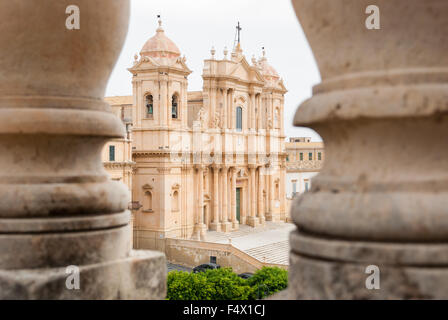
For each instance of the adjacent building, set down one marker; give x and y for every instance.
(203, 160)
(304, 159)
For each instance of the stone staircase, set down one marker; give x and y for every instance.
(268, 244)
(275, 253)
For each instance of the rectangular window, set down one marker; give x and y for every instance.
(212, 259)
(319, 156)
(307, 185)
(310, 156)
(294, 188)
(301, 156)
(111, 153)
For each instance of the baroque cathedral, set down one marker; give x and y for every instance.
(202, 160)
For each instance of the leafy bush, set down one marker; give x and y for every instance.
(224, 284)
(267, 281)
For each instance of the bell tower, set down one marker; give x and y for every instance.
(159, 87)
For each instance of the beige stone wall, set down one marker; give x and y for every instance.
(193, 253)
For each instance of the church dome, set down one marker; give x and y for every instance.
(267, 70)
(160, 47)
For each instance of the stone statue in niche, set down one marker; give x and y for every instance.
(217, 120)
(202, 116)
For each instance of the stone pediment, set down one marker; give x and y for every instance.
(246, 72)
(147, 187)
(146, 62)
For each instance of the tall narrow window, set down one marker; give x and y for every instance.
(310, 156)
(239, 119)
(174, 107)
(294, 188)
(301, 156)
(149, 106)
(319, 156)
(307, 185)
(111, 153)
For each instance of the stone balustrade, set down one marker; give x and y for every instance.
(380, 199)
(59, 207)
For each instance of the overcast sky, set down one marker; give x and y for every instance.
(196, 25)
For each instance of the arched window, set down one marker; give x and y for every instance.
(174, 107)
(149, 106)
(147, 201)
(175, 203)
(239, 118)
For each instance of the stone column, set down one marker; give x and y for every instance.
(235, 222)
(163, 101)
(271, 196)
(59, 207)
(231, 110)
(215, 225)
(260, 211)
(382, 107)
(224, 108)
(260, 112)
(251, 219)
(252, 111)
(226, 226)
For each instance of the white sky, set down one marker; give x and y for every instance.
(196, 25)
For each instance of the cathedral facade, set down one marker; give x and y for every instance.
(204, 160)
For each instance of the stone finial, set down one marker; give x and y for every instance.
(159, 21)
(254, 60)
(213, 51)
(59, 207)
(225, 53)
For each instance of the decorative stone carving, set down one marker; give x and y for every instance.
(58, 206)
(381, 197)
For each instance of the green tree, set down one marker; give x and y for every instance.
(219, 284)
(224, 284)
(267, 281)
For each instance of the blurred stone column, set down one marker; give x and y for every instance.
(59, 207)
(381, 198)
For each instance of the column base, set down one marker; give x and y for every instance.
(140, 276)
(200, 231)
(226, 227)
(215, 226)
(336, 269)
(253, 221)
(273, 216)
(235, 225)
(262, 220)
